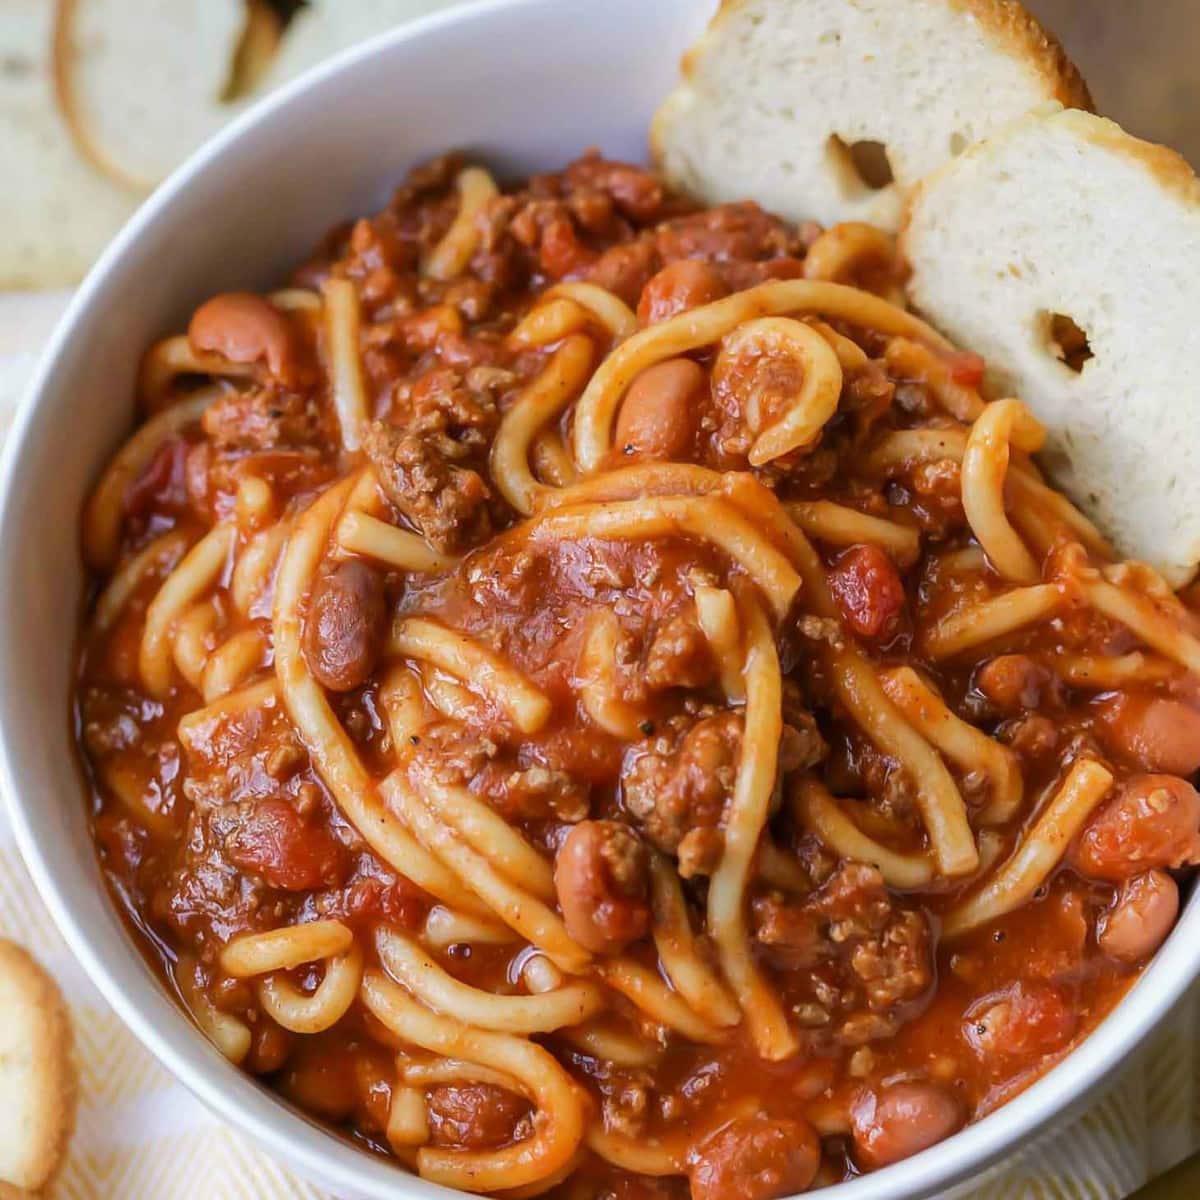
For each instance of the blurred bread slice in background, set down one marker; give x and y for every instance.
(1067, 253)
(57, 211)
(320, 29)
(142, 83)
(38, 1083)
(834, 109)
(101, 99)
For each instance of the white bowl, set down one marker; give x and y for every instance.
(527, 84)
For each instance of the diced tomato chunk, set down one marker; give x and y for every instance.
(277, 843)
(398, 903)
(868, 590)
(163, 481)
(561, 252)
(966, 368)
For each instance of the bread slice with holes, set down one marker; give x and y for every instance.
(778, 96)
(37, 1078)
(1068, 254)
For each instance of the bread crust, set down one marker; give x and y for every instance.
(1168, 166)
(53, 1089)
(1012, 28)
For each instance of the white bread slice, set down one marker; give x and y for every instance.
(59, 211)
(37, 1078)
(776, 90)
(323, 27)
(1063, 213)
(142, 80)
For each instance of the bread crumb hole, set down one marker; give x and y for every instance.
(958, 143)
(1067, 341)
(865, 163)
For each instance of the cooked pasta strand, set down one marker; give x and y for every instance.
(969, 748)
(743, 828)
(984, 467)
(823, 816)
(706, 325)
(343, 321)
(1038, 850)
(558, 1125)
(478, 667)
(408, 964)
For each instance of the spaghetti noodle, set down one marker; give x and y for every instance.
(550, 808)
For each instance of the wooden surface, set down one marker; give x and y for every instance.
(1141, 59)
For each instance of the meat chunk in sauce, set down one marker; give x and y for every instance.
(635, 192)
(741, 234)
(677, 783)
(447, 503)
(476, 1116)
(532, 783)
(899, 1121)
(345, 627)
(275, 842)
(261, 418)
(679, 655)
(602, 877)
(755, 1158)
(1149, 821)
(882, 950)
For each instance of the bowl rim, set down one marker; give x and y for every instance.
(287, 1134)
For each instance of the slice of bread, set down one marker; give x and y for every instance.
(141, 81)
(37, 1077)
(1063, 220)
(323, 27)
(59, 211)
(779, 96)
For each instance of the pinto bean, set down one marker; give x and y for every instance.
(602, 878)
(1024, 1020)
(683, 285)
(898, 1121)
(1139, 921)
(269, 1048)
(1150, 821)
(246, 328)
(658, 416)
(1014, 682)
(868, 589)
(1152, 733)
(344, 631)
(755, 1158)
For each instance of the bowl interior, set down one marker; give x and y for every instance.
(524, 85)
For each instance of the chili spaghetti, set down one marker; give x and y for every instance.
(586, 695)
